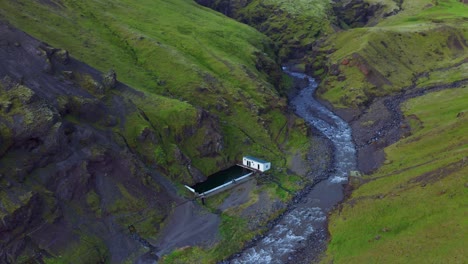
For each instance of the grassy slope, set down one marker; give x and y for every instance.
(398, 53)
(293, 25)
(413, 208)
(183, 57)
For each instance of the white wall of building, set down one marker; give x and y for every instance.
(256, 164)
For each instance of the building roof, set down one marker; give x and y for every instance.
(255, 159)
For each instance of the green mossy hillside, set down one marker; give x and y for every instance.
(55, 167)
(187, 60)
(423, 45)
(203, 94)
(294, 26)
(360, 13)
(412, 210)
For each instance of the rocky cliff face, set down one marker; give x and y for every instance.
(227, 7)
(80, 151)
(67, 172)
(293, 26)
(300, 29)
(360, 13)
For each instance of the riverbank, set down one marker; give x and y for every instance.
(381, 124)
(304, 222)
(374, 128)
(409, 209)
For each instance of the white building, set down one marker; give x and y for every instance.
(256, 164)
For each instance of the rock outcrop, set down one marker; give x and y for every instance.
(360, 13)
(67, 171)
(109, 80)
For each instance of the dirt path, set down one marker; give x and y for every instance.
(188, 224)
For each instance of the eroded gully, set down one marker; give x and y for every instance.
(304, 223)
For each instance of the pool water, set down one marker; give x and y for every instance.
(220, 178)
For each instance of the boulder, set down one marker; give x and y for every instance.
(62, 56)
(334, 70)
(6, 106)
(49, 51)
(109, 80)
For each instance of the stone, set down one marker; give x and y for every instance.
(363, 68)
(197, 175)
(181, 157)
(147, 135)
(24, 94)
(109, 80)
(335, 70)
(6, 106)
(47, 49)
(68, 74)
(62, 56)
(99, 89)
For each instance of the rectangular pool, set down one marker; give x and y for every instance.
(220, 178)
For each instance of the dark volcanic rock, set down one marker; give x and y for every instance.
(67, 175)
(212, 144)
(227, 7)
(62, 56)
(359, 13)
(109, 80)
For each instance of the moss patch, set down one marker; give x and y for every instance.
(411, 49)
(411, 208)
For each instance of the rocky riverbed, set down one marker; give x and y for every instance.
(302, 228)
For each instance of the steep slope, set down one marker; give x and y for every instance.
(69, 183)
(413, 49)
(294, 26)
(80, 151)
(207, 92)
(412, 209)
(187, 58)
(403, 86)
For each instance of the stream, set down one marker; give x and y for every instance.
(306, 221)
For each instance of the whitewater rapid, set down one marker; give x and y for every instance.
(308, 217)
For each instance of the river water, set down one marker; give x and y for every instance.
(307, 218)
